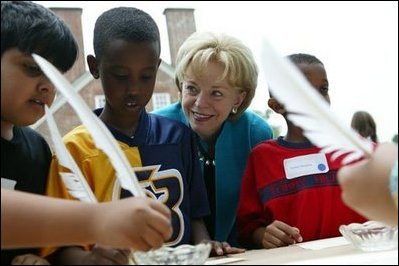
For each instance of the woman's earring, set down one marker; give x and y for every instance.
(234, 110)
(95, 75)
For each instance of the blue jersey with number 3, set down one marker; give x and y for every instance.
(164, 158)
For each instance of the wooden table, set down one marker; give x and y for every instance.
(326, 251)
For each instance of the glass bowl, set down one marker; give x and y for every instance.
(181, 255)
(371, 235)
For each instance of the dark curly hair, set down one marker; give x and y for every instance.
(126, 23)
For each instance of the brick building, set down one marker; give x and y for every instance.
(180, 24)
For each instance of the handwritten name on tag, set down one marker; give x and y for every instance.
(305, 165)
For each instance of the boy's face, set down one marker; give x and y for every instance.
(317, 77)
(24, 89)
(128, 73)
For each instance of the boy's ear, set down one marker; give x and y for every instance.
(92, 63)
(276, 106)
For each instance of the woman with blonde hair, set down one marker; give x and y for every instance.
(216, 75)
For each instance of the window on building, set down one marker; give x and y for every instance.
(160, 100)
(99, 101)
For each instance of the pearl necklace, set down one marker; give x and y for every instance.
(203, 155)
(207, 161)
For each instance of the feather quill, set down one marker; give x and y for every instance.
(101, 135)
(75, 182)
(308, 110)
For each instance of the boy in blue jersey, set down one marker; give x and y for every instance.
(161, 151)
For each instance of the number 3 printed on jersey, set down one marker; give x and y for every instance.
(165, 186)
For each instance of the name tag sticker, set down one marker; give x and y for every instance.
(8, 183)
(305, 165)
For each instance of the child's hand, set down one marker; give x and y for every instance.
(278, 234)
(102, 255)
(146, 223)
(29, 259)
(223, 248)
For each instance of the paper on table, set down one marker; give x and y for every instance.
(224, 260)
(324, 243)
(361, 258)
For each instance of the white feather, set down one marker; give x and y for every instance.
(308, 110)
(101, 135)
(75, 182)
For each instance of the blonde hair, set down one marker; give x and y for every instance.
(239, 65)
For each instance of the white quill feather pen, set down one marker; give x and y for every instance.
(308, 110)
(75, 182)
(101, 135)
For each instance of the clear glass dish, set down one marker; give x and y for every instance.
(371, 235)
(181, 255)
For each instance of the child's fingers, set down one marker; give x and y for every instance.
(271, 240)
(292, 234)
(162, 208)
(280, 234)
(153, 237)
(296, 235)
(160, 224)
